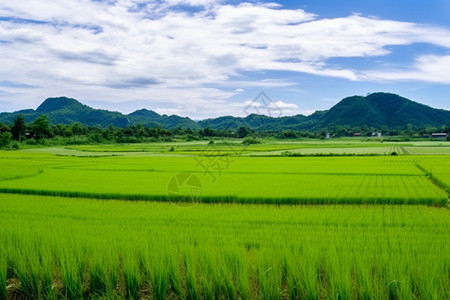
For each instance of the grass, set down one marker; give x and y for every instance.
(157, 250)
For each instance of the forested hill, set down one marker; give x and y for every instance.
(382, 109)
(63, 110)
(375, 110)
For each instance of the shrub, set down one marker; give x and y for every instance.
(251, 141)
(5, 139)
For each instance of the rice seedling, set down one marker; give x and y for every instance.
(19, 264)
(192, 292)
(172, 267)
(100, 281)
(3, 270)
(239, 266)
(270, 276)
(207, 277)
(34, 265)
(71, 265)
(46, 271)
(218, 273)
(303, 275)
(103, 266)
(156, 265)
(131, 272)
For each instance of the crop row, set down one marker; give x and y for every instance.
(274, 189)
(344, 165)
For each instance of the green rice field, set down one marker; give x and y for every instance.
(277, 180)
(55, 247)
(226, 221)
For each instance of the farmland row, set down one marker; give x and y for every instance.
(237, 188)
(350, 180)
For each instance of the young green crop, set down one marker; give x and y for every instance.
(437, 167)
(3, 273)
(117, 249)
(287, 180)
(131, 270)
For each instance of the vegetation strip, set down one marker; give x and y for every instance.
(230, 198)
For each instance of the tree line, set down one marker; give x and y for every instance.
(41, 131)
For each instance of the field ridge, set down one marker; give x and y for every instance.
(356, 200)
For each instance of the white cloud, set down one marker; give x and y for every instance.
(170, 111)
(263, 105)
(429, 68)
(125, 50)
(284, 105)
(194, 2)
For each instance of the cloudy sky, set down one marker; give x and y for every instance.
(205, 58)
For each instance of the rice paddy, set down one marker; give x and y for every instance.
(263, 227)
(276, 180)
(54, 247)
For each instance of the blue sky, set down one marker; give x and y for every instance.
(207, 58)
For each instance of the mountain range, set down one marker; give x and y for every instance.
(374, 110)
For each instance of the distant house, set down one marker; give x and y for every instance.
(327, 135)
(439, 135)
(376, 134)
(357, 134)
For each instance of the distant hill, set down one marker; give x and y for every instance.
(375, 110)
(382, 109)
(262, 122)
(63, 110)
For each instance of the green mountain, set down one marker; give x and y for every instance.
(375, 110)
(63, 110)
(150, 118)
(67, 111)
(382, 109)
(262, 122)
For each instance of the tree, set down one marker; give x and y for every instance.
(243, 132)
(5, 138)
(58, 130)
(207, 132)
(288, 134)
(41, 127)
(19, 127)
(4, 128)
(76, 129)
